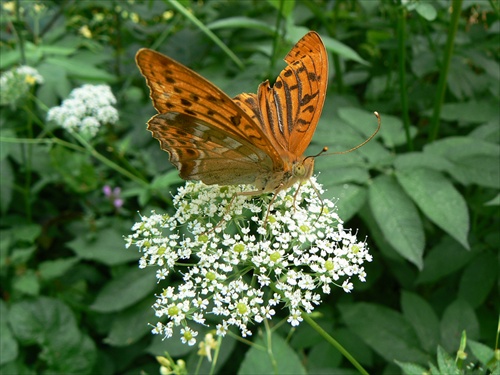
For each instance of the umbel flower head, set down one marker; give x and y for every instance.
(239, 268)
(16, 83)
(87, 108)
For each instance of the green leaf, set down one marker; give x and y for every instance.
(125, 290)
(279, 358)
(392, 132)
(397, 218)
(411, 368)
(457, 317)
(474, 160)
(412, 160)
(446, 363)
(285, 6)
(52, 269)
(445, 258)
(386, 331)
(132, 324)
(76, 170)
(106, 246)
(6, 184)
(343, 50)
(439, 201)
(27, 233)
(27, 283)
(8, 345)
(473, 111)
(482, 352)
(323, 357)
(77, 68)
(478, 169)
(426, 10)
(349, 198)
(51, 325)
(478, 279)
(241, 22)
(422, 317)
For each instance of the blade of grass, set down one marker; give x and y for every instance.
(206, 31)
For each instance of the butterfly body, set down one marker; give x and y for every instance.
(256, 139)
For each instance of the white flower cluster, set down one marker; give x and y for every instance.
(239, 263)
(86, 109)
(15, 83)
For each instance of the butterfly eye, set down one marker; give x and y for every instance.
(299, 170)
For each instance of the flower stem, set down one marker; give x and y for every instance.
(106, 161)
(334, 343)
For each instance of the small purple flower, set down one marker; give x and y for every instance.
(113, 195)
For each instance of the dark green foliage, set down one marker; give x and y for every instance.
(425, 190)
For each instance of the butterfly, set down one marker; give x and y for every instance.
(257, 139)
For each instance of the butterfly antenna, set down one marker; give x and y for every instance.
(379, 121)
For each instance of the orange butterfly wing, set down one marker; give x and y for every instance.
(253, 139)
(289, 111)
(201, 127)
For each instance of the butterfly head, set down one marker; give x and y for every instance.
(303, 170)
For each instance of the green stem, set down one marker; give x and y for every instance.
(106, 161)
(87, 147)
(27, 156)
(20, 31)
(401, 34)
(441, 88)
(334, 343)
(277, 37)
(207, 31)
(335, 56)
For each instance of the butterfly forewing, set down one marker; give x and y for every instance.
(175, 88)
(292, 107)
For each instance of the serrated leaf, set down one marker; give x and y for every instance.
(482, 352)
(412, 160)
(8, 345)
(446, 363)
(423, 318)
(107, 247)
(125, 290)
(439, 201)
(257, 359)
(411, 368)
(457, 317)
(132, 324)
(386, 331)
(392, 132)
(50, 324)
(478, 279)
(52, 269)
(397, 218)
(473, 111)
(350, 198)
(437, 263)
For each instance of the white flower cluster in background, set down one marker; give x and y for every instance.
(240, 266)
(86, 109)
(16, 83)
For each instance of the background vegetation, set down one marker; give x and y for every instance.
(425, 191)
